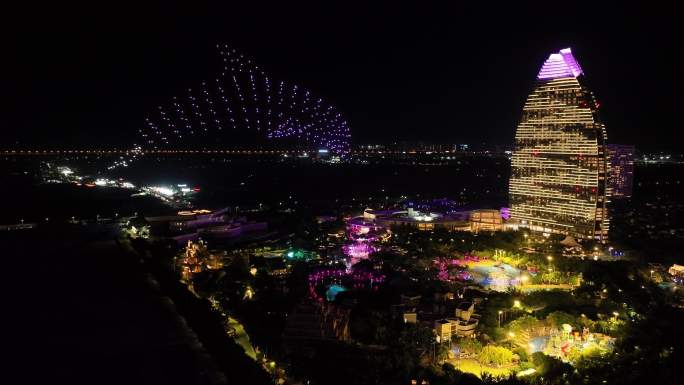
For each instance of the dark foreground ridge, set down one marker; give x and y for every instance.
(91, 314)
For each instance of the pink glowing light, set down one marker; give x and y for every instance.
(449, 270)
(355, 278)
(560, 65)
(472, 258)
(359, 229)
(358, 250)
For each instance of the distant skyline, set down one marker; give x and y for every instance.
(457, 74)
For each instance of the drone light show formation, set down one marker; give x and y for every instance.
(243, 105)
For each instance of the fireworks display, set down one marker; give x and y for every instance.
(244, 105)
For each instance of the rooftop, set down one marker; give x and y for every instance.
(560, 65)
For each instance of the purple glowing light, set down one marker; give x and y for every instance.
(243, 98)
(359, 229)
(560, 65)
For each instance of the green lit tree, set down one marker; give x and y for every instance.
(495, 355)
(558, 318)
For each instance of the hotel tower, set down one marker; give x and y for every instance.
(559, 168)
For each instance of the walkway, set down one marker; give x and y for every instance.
(242, 338)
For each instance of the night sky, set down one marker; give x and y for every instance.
(86, 77)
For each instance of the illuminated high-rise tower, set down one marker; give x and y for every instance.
(559, 166)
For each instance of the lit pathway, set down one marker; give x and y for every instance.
(242, 338)
(533, 287)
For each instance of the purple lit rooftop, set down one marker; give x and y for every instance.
(560, 65)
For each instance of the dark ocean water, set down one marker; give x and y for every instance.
(469, 181)
(230, 182)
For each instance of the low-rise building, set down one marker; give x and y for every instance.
(462, 325)
(486, 220)
(443, 329)
(410, 317)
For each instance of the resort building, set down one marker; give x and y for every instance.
(621, 177)
(560, 164)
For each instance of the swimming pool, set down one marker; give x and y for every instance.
(333, 290)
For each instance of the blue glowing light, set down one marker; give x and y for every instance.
(332, 292)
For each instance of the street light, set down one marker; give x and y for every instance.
(500, 313)
(511, 335)
(437, 340)
(249, 293)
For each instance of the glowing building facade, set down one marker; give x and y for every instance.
(621, 178)
(559, 167)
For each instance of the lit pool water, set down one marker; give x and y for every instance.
(333, 290)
